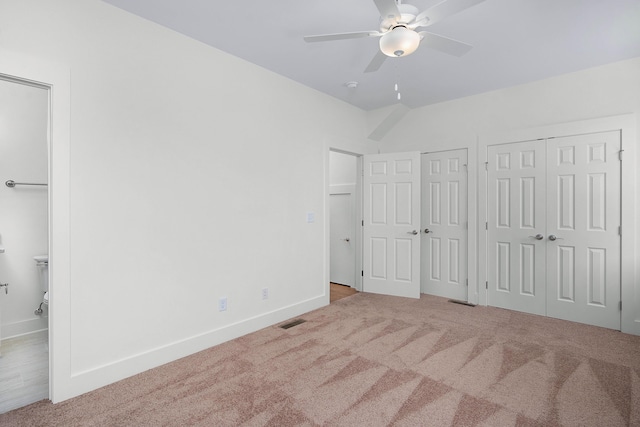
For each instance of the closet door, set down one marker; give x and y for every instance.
(553, 228)
(516, 226)
(583, 240)
(391, 252)
(444, 224)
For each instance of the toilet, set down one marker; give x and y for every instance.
(42, 262)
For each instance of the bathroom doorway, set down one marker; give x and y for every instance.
(24, 234)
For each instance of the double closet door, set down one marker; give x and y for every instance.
(554, 227)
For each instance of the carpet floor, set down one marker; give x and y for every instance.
(372, 360)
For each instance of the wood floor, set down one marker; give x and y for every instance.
(24, 370)
(340, 291)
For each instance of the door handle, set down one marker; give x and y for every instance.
(426, 230)
(414, 232)
(540, 237)
(553, 237)
(5, 286)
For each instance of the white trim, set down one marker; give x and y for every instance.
(630, 292)
(25, 327)
(342, 189)
(352, 149)
(111, 372)
(56, 78)
(472, 230)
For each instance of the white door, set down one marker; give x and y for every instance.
(553, 228)
(444, 224)
(391, 260)
(342, 239)
(516, 215)
(583, 219)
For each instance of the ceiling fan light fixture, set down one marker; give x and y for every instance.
(400, 41)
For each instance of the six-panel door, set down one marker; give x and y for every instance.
(391, 254)
(516, 215)
(583, 219)
(444, 224)
(553, 227)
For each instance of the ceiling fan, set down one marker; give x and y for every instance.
(400, 33)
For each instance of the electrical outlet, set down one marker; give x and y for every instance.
(265, 293)
(222, 304)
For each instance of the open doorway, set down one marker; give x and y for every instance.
(344, 220)
(24, 234)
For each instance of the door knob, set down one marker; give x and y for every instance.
(414, 232)
(346, 240)
(553, 237)
(426, 230)
(540, 237)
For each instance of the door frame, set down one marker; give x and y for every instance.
(630, 292)
(56, 79)
(352, 149)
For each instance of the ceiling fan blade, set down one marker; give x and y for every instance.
(376, 62)
(388, 9)
(341, 36)
(442, 10)
(444, 44)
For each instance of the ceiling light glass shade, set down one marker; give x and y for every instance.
(400, 41)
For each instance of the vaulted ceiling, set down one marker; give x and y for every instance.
(514, 42)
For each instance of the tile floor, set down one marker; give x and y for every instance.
(24, 370)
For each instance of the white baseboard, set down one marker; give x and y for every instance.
(100, 376)
(24, 327)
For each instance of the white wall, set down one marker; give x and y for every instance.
(343, 168)
(609, 90)
(191, 175)
(23, 209)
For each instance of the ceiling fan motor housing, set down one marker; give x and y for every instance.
(407, 14)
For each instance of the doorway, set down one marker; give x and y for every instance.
(554, 212)
(24, 320)
(344, 212)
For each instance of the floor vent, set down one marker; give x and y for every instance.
(457, 301)
(292, 323)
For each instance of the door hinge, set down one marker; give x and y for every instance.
(362, 273)
(619, 230)
(363, 222)
(620, 305)
(486, 166)
(620, 154)
(486, 285)
(466, 282)
(486, 225)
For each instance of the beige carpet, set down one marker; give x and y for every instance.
(371, 360)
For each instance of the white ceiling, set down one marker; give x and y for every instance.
(515, 42)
